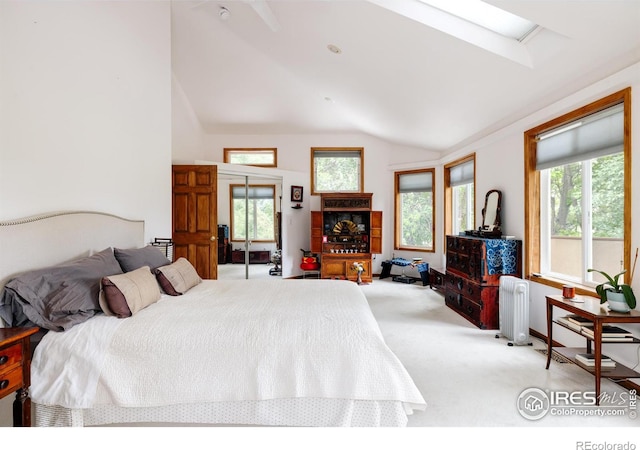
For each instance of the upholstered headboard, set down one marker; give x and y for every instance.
(49, 239)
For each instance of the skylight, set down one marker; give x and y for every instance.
(473, 21)
(487, 16)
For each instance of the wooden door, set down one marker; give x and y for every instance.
(316, 231)
(376, 232)
(195, 221)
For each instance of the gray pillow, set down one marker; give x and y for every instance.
(59, 297)
(135, 258)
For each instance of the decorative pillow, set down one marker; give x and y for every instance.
(58, 297)
(177, 278)
(112, 300)
(126, 294)
(132, 259)
(165, 284)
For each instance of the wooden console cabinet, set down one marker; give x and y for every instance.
(345, 232)
(436, 279)
(255, 257)
(472, 278)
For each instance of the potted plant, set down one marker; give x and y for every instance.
(620, 296)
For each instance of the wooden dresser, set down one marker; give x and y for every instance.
(15, 371)
(472, 278)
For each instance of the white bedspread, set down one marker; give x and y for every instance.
(227, 341)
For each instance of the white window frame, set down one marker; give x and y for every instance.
(586, 237)
(469, 206)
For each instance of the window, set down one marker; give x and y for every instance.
(577, 194)
(414, 209)
(337, 170)
(261, 157)
(260, 204)
(460, 200)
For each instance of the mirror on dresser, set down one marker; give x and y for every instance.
(491, 222)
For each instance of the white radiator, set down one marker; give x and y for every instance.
(514, 309)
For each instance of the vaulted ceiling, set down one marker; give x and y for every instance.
(396, 72)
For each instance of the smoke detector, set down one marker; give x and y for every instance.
(224, 13)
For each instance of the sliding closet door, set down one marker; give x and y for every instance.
(195, 220)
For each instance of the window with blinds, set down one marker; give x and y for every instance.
(337, 170)
(460, 195)
(253, 209)
(414, 210)
(578, 178)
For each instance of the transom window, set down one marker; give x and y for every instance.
(414, 210)
(577, 194)
(261, 157)
(337, 170)
(255, 210)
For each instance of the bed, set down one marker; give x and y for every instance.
(252, 352)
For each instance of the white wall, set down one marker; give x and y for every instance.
(85, 112)
(186, 131)
(85, 109)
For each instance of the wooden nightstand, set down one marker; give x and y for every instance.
(15, 371)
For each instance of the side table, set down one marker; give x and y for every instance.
(15, 371)
(590, 308)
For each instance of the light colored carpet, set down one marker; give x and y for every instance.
(467, 376)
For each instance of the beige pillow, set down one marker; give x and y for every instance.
(181, 276)
(138, 288)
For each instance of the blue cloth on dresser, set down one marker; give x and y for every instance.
(501, 256)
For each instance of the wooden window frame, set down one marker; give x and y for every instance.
(397, 239)
(532, 258)
(448, 197)
(336, 149)
(229, 151)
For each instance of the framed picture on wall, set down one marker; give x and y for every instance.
(296, 194)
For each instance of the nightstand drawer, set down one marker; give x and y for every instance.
(10, 356)
(15, 374)
(10, 381)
